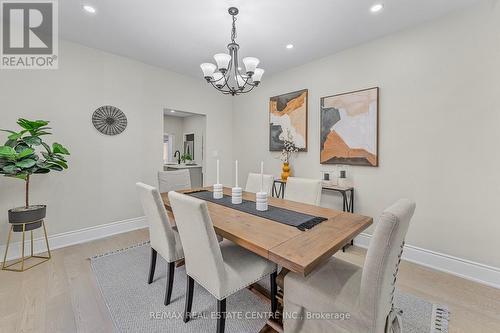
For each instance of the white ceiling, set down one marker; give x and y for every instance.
(179, 35)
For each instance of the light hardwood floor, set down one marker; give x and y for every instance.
(61, 295)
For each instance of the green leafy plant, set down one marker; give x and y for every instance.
(25, 153)
(186, 157)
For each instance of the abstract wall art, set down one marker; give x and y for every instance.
(349, 128)
(288, 120)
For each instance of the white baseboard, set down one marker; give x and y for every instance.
(74, 237)
(466, 269)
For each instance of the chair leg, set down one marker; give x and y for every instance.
(189, 299)
(274, 291)
(152, 266)
(170, 282)
(221, 316)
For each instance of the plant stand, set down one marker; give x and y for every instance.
(27, 226)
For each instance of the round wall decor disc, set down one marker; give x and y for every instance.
(109, 120)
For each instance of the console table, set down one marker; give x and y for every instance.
(347, 196)
(279, 188)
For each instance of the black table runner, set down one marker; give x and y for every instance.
(277, 214)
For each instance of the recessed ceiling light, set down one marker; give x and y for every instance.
(89, 9)
(377, 8)
(173, 111)
(289, 46)
(239, 68)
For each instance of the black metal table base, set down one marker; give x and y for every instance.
(279, 190)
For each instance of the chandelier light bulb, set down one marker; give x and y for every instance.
(251, 64)
(222, 60)
(218, 79)
(257, 75)
(208, 70)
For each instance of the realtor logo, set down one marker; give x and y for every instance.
(29, 35)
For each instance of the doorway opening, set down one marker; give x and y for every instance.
(184, 143)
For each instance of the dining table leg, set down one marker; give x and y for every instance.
(349, 207)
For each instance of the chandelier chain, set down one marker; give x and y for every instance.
(228, 80)
(233, 31)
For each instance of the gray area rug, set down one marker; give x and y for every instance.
(137, 307)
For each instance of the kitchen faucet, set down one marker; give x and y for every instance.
(178, 157)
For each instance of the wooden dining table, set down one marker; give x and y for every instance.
(295, 250)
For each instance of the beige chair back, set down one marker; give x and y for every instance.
(174, 180)
(382, 263)
(202, 253)
(303, 190)
(161, 233)
(253, 183)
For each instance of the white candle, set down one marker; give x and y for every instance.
(236, 185)
(262, 176)
(217, 171)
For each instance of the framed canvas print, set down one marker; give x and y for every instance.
(349, 128)
(288, 120)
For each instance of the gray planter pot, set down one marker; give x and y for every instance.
(22, 215)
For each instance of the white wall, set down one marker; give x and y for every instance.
(99, 186)
(173, 126)
(439, 120)
(196, 125)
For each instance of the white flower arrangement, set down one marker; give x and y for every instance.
(288, 147)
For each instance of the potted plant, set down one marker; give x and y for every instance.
(24, 154)
(288, 149)
(186, 158)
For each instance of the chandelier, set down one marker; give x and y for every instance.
(226, 76)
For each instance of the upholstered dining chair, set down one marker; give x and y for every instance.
(253, 183)
(174, 180)
(367, 294)
(164, 238)
(222, 269)
(303, 190)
